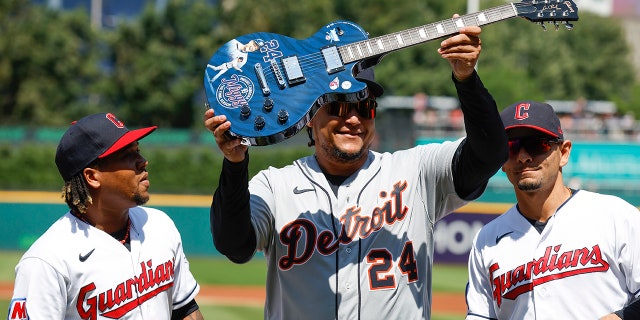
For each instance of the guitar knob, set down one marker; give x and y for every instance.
(259, 123)
(245, 111)
(283, 116)
(268, 104)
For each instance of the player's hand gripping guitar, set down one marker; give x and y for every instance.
(269, 86)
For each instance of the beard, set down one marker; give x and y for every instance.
(529, 186)
(342, 156)
(140, 199)
(346, 156)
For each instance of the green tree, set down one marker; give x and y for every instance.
(522, 61)
(48, 64)
(159, 64)
(150, 70)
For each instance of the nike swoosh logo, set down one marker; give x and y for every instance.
(498, 238)
(86, 256)
(299, 191)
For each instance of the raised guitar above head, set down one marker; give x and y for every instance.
(269, 86)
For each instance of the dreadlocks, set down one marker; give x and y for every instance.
(76, 194)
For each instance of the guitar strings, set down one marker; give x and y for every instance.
(371, 47)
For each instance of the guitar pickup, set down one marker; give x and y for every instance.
(332, 59)
(277, 73)
(292, 70)
(263, 81)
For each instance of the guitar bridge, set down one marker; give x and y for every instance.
(278, 74)
(263, 81)
(292, 70)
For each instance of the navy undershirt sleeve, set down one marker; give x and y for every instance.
(230, 214)
(631, 311)
(186, 310)
(485, 148)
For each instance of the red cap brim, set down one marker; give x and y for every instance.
(127, 139)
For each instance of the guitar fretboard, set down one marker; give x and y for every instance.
(410, 37)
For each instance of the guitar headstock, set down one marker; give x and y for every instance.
(541, 11)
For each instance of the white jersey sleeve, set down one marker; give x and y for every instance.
(583, 265)
(48, 288)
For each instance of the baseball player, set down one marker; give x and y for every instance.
(237, 53)
(348, 232)
(108, 257)
(559, 253)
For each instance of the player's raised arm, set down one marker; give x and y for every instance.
(485, 146)
(230, 213)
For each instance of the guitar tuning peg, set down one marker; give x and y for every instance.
(543, 26)
(569, 26)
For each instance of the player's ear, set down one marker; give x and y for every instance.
(91, 176)
(565, 150)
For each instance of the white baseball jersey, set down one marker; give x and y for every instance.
(584, 265)
(76, 271)
(363, 254)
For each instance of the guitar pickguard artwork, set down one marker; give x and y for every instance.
(332, 35)
(235, 91)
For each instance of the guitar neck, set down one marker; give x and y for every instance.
(402, 39)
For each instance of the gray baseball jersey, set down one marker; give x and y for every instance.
(365, 253)
(76, 271)
(585, 263)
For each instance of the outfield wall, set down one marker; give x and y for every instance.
(26, 215)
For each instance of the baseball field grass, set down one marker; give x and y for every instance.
(220, 272)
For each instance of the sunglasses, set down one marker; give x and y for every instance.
(365, 108)
(533, 146)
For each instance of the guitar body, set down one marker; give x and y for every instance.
(281, 81)
(269, 86)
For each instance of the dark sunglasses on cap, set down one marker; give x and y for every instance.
(365, 108)
(533, 146)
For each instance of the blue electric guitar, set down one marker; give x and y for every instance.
(269, 86)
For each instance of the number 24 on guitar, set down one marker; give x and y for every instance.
(269, 86)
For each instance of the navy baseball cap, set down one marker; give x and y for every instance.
(367, 76)
(93, 137)
(531, 114)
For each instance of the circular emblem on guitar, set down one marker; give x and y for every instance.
(235, 91)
